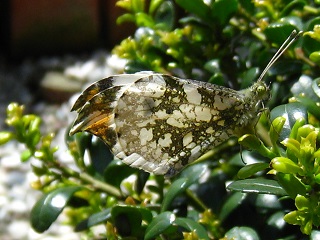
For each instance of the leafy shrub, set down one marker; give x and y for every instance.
(223, 42)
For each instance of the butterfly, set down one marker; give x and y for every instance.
(161, 123)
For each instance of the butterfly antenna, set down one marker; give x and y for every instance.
(293, 37)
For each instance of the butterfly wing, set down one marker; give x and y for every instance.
(156, 122)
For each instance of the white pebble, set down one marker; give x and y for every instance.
(18, 229)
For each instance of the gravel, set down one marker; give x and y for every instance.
(17, 197)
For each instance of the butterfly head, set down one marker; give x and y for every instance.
(261, 91)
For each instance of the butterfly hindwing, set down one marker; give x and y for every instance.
(157, 122)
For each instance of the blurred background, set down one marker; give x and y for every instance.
(49, 27)
(49, 50)
(41, 36)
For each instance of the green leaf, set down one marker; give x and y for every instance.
(93, 220)
(257, 186)
(39, 170)
(197, 7)
(293, 218)
(254, 143)
(285, 165)
(249, 170)
(242, 233)
(128, 220)
(292, 6)
(5, 137)
(127, 17)
(293, 148)
(302, 203)
(83, 141)
(302, 87)
(223, 10)
(100, 156)
(311, 105)
(164, 16)
(134, 66)
(294, 131)
(116, 172)
(138, 6)
(159, 224)
(233, 201)
(286, 67)
(144, 20)
(276, 223)
(177, 187)
(193, 172)
(316, 85)
(187, 177)
(267, 202)
(275, 129)
(292, 112)
(33, 138)
(141, 181)
(154, 4)
(192, 225)
(26, 155)
(315, 57)
(124, 4)
(291, 184)
(278, 32)
(309, 44)
(248, 6)
(49, 207)
(248, 76)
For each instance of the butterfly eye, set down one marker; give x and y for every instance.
(261, 89)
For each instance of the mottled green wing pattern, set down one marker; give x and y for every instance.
(161, 123)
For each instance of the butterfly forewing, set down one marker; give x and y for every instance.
(160, 123)
(105, 84)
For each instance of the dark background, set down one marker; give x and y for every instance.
(35, 28)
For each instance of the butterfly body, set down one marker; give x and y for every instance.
(161, 123)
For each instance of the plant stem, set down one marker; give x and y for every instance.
(196, 200)
(100, 185)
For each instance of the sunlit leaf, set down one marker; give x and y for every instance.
(192, 225)
(159, 224)
(94, 219)
(251, 169)
(257, 186)
(49, 207)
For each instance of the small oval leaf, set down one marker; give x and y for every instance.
(194, 172)
(291, 184)
(128, 219)
(49, 207)
(164, 16)
(257, 186)
(242, 233)
(176, 188)
(159, 224)
(249, 170)
(94, 219)
(192, 225)
(292, 112)
(116, 172)
(231, 204)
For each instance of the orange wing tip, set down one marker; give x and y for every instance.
(95, 120)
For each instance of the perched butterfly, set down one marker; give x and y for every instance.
(160, 123)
